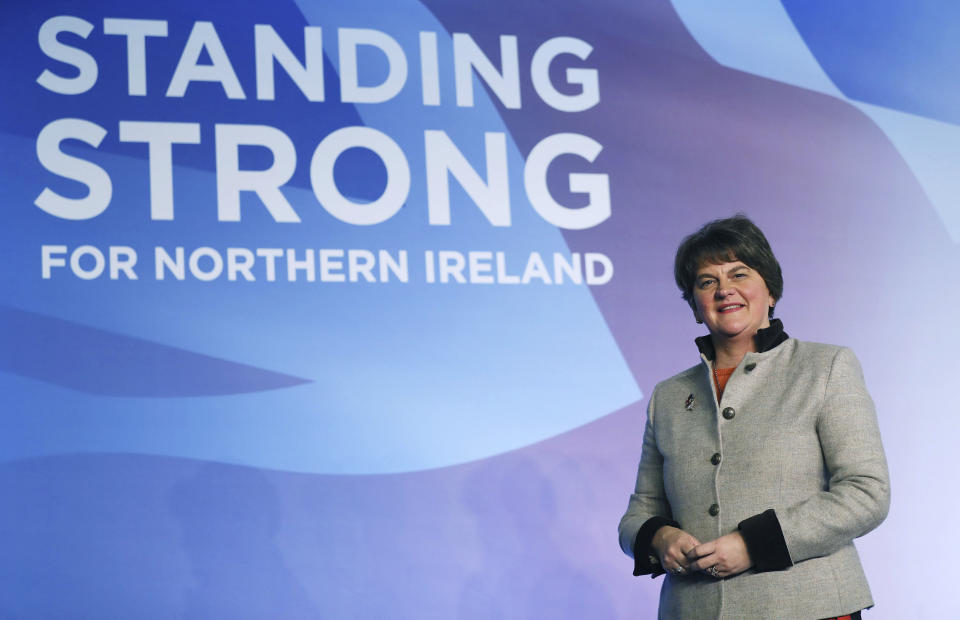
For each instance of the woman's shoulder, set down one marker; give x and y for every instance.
(818, 350)
(816, 357)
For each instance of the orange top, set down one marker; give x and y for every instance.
(720, 377)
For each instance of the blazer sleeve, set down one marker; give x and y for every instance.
(648, 508)
(857, 497)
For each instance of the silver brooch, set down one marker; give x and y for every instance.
(691, 403)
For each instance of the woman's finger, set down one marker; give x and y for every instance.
(699, 551)
(705, 562)
(677, 569)
(675, 561)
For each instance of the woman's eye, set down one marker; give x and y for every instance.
(706, 283)
(740, 275)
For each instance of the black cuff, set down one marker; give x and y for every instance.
(765, 542)
(645, 560)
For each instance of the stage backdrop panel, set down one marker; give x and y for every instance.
(349, 310)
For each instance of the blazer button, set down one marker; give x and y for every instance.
(715, 459)
(729, 412)
(714, 510)
(750, 366)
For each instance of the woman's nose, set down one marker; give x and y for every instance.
(722, 291)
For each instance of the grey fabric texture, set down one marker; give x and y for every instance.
(804, 441)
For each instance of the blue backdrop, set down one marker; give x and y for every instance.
(316, 310)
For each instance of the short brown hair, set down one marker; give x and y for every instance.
(724, 240)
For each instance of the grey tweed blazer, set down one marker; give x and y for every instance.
(799, 436)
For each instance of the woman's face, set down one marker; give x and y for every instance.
(731, 299)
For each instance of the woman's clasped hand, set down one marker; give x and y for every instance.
(724, 557)
(672, 545)
(680, 553)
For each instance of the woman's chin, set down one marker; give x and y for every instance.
(729, 333)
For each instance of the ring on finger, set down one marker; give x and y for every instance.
(713, 572)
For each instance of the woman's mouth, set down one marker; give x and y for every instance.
(729, 308)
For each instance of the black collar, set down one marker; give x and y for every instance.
(766, 339)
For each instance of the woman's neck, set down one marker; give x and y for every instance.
(730, 352)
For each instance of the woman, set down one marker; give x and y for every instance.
(761, 464)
